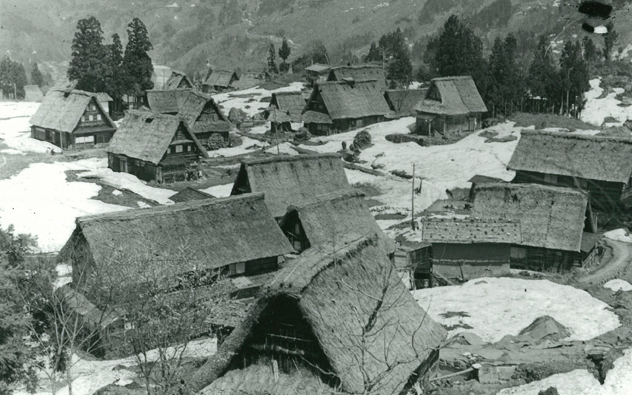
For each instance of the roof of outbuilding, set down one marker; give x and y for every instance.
(459, 96)
(221, 78)
(290, 102)
(352, 99)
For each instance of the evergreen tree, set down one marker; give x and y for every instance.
(542, 77)
(574, 76)
(399, 67)
(137, 65)
(115, 80)
(36, 76)
(590, 51)
(12, 77)
(609, 40)
(374, 55)
(284, 53)
(504, 90)
(272, 67)
(88, 52)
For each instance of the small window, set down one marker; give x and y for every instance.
(188, 148)
(550, 178)
(179, 148)
(237, 268)
(90, 117)
(84, 140)
(98, 117)
(518, 253)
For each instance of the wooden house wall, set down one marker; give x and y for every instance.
(447, 125)
(466, 261)
(543, 259)
(342, 125)
(295, 233)
(145, 171)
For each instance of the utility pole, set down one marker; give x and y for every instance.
(413, 201)
(276, 130)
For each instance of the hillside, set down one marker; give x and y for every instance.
(189, 34)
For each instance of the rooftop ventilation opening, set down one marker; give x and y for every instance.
(149, 120)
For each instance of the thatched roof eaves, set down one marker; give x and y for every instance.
(352, 99)
(104, 97)
(481, 179)
(326, 288)
(61, 110)
(358, 73)
(188, 194)
(459, 96)
(341, 215)
(471, 231)
(549, 217)
(290, 102)
(588, 157)
(221, 78)
(292, 180)
(316, 117)
(176, 78)
(146, 136)
(404, 101)
(278, 116)
(318, 68)
(195, 235)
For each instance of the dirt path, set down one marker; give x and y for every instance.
(622, 253)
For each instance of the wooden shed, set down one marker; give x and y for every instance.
(291, 103)
(199, 110)
(340, 106)
(155, 147)
(291, 180)
(464, 249)
(230, 237)
(341, 216)
(219, 81)
(552, 222)
(178, 80)
(72, 119)
(452, 105)
(359, 73)
(309, 331)
(601, 166)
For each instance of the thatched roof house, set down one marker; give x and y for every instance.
(188, 194)
(342, 216)
(33, 93)
(310, 320)
(451, 104)
(291, 180)
(359, 73)
(291, 103)
(316, 73)
(199, 110)
(344, 105)
(600, 165)
(404, 101)
(177, 80)
(72, 119)
(220, 80)
(154, 147)
(236, 235)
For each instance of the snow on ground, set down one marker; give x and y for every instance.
(127, 181)
(581, 382)
(15, 129)
(248, 145)
(597, 110)
(40, 201)
(243, 99)
(12, 151)
(495, 307)
(64, 275)
(219, 191)
(618, 285)
(619, 235)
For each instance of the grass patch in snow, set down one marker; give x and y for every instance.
(541, 121)
(109, 194)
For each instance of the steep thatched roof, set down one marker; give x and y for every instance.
(359, 73)
(278, 116)
(342, 215)
(92, 315)
(457, 96)
(178, 238)
(549, 217)
(33, 93)
(104, 97)
(62, 109)
(188, 194)
(146, 136)
(316, 117)
(221, 78)
(289, 102)
(352, 99)
(176, 79)
(404, 101)
(470, 231)
(291, 180)
(590, 157)
(339, 295)
(190, 105)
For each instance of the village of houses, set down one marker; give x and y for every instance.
(338, 263)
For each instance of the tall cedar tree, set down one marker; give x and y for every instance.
(36, 76)
(272, 67)
(543, 81)
(399, 68)
(460, 52)
(136, 62)
(609, 40)
(12, 77)
(574, 76)
(374, 55)
(115, 78)
(590, 51)
(88, 52)
(284, 53)
(504, 90)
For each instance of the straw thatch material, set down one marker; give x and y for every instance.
(188, 194)
(352, 99)
(221, 78)
(146, 136)
(316, 117)
(359, 73)
(178, 79)
(79, 304)
(196, 235)
(291, 103)
(33, 93)
(404, 101)
(318, 68)
(459, 96)
(190, 105)
(470, 231)
(62, 110)
(291, 180)
(338, 295)
(588, 157)
(342, 216)
(104, 97)
(549, 217)
(278, 116)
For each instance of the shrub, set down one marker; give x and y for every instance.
(362, 140)
(215, 142)
(302, 135)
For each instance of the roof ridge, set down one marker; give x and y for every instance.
(346, 82)
(570, 135)
(330, 197)
(507, 185)
(288, 158)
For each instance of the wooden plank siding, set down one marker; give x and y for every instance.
(467, 261)
(448, 125)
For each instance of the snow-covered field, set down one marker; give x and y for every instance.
(15, 129)
(249, 100)
(618, 285)
(495, 307)
(597, 110)
(619, 235)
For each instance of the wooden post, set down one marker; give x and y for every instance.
(15, 92)
(413, 200)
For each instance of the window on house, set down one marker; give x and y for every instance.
(237, 268)
(550, 178)
(518, 253)
(84, 140)
(98, 117)
(188, 148)
(90, 117)
(583, 183)
(179, 148)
